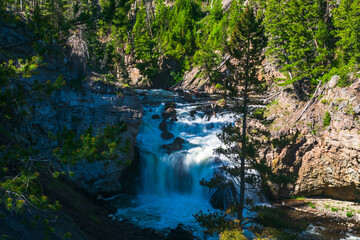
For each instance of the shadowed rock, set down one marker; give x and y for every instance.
(177, 145)
(180, 233)
(170, 112)
(155, 116)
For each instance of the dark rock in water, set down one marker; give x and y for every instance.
(170, 112)
(163, 126)
(177, 145)
(167, 135)
(210, 126)
(165, 132)
(192, 113)
(204, 108)
(223, 197)
(202, 94)
(188, 96)
(180, 233)
(143, 94)
(170, 105)
(155, 116)
(209, 114)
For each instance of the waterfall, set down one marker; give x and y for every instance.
(170, 192)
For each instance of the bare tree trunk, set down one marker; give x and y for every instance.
(148, 19)
(242, 157)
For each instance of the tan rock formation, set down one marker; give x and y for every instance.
(326, 159)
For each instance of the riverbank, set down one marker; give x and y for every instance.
(326, 218)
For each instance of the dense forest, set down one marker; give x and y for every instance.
(307, 41)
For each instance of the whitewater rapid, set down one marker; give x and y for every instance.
(170, 191)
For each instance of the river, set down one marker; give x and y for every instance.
(169, 192)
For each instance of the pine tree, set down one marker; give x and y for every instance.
(245, 47)
(299, 39)
(144, 45)
(347, 19)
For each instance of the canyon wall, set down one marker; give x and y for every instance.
(84, 101)
(324, 155)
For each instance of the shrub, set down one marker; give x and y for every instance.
(349, 214)
(218, 86)
(326, 120)
(324, 101)
(234, 234)
(310, 204)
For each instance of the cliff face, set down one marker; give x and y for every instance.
(98, 105)
(92, 103)
(324, 153)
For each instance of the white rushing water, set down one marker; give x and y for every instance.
(171, 192)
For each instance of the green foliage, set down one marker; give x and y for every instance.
(346, 19)
(299, 37)
(144, 45)
(259, 114)
(311, 205)
(216, 222)
(308, 39)
(327, 120)
(20, 189)
(232, 235)
(334, 209)
(284, 140)
(103, 146)
(349, 214)
(246, 45)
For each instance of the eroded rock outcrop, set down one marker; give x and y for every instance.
(97, 106)
(325, 153)
(77, 106)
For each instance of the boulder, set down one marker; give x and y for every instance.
(176, 145)
(170, 105)
(209, 113)
(180, 233)
(357, 110)
(165, 132)
(188, 96)
(192, 113)
(221, 103)
(155, 116)
(222, 197)
(163, 126)
(167, 135)
(169, 112)
(325, 162)
(334, 81)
